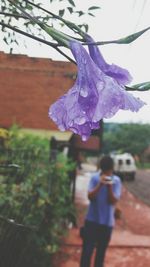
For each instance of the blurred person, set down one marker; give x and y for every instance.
(104, 191)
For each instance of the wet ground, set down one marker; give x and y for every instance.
(130, 244)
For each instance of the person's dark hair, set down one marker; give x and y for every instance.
(106, 163)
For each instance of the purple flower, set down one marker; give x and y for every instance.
(119, 74)
(93, 97)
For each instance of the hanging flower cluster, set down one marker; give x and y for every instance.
(98, 93)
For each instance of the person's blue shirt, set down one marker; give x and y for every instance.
(100, 211)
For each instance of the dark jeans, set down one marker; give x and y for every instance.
(98, 236)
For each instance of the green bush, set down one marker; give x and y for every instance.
(36, 192)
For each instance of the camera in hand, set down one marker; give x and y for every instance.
(108, 179)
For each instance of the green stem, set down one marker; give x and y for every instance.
(60, 37)
(12, 15)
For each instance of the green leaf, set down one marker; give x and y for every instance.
(70, 9)
(91, 14)
(61, 12)
(139, 87)
(72, 2)
(94, 7)
(80, 13)
(29, 7)
(86, 27)
(5, 40)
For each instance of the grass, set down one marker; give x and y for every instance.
(144, 165)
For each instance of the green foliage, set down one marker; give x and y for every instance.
(10, 15)
(4, 138)
(36, 192)
(143, 165)
(132, 138)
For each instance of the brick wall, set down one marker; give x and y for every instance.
(28, 86)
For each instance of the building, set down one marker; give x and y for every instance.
(28, 86)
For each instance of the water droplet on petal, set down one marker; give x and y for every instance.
(83, 92)
(61, 128)
(100, 85)
(84, 137)
(80, 120)
(54, 119)
(71, 124)
(83, 59)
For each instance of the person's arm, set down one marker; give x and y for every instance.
(112, 199)
(92, 193)
(114, 193)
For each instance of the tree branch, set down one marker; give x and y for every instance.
(69, 24)
(55, 46)
(18, 16)
(29, 35)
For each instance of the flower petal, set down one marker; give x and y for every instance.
(119, 74)
(113, 98)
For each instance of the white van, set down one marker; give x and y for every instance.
(124, 166)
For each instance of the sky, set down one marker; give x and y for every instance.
(115, 19)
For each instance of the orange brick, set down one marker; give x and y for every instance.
(29, 86)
